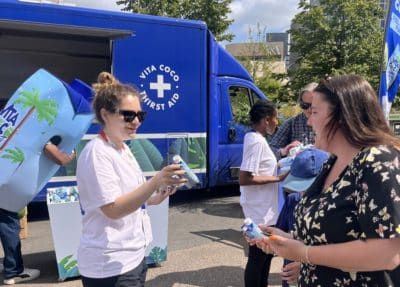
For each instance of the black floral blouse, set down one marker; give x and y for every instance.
(363, 202)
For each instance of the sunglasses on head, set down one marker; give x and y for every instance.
(129, 116)
(304, 105)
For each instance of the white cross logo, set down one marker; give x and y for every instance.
(160, 86)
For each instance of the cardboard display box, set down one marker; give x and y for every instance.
(66, 226)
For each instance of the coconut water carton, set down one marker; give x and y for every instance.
(251, 229)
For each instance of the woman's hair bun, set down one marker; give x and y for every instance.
(104, 80)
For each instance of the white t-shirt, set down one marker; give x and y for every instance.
(108, 247)
(259, 202)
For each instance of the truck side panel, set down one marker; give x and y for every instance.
(165, 58)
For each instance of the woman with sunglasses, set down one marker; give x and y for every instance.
(295, 130)
(347, 227)
(114, 193)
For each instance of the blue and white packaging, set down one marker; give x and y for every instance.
(41, 108)
(285, 163)
(251, 229)
(192, 178)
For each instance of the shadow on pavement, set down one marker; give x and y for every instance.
(221, 276)
(232, 210)
(215, 207)
(193, 195)
(228, 237)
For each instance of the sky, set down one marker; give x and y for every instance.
(273, 15)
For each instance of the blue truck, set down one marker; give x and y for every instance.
(195, 93)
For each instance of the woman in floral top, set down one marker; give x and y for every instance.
(347, 229)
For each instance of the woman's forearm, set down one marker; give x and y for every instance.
(358, 255)
(129, 202)
(246, 178)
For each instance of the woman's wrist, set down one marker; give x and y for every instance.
(154, 187)
(306, 256)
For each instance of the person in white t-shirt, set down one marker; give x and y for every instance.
(258, 181)
(113, 192)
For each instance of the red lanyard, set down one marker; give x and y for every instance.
(105, 138)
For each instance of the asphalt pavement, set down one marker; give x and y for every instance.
(206, 247)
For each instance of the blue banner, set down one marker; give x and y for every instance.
(390, 80)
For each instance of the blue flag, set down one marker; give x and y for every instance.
(390, 80)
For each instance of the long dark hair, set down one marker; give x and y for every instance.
(356, 112)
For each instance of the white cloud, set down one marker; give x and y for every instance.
(274, 15)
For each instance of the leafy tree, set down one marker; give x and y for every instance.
(258, 58)
(240, 107)
(336, 37)
(213, 12)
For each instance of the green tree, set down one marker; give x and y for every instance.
(213, 12)
(258, 58)
(336, 37)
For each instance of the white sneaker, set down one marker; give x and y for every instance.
(26, 275)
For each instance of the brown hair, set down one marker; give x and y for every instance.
(356, 111)
(108, 94)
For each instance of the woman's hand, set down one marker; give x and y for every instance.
(274, 231)
(291, 249)
(285, 151)
(290, 272)
(282, 176)
(251, 242)
(169, 176)
(263, 244)
(161, 195)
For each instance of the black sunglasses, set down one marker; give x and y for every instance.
(129, 116)
(304, 105)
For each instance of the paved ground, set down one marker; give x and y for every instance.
(205, 247)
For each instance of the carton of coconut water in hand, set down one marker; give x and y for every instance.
(251, 229)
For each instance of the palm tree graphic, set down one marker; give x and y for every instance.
(46, 110)
(16, 155)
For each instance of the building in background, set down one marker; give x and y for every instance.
(282, 37)
(256, 56)
(385, 6)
